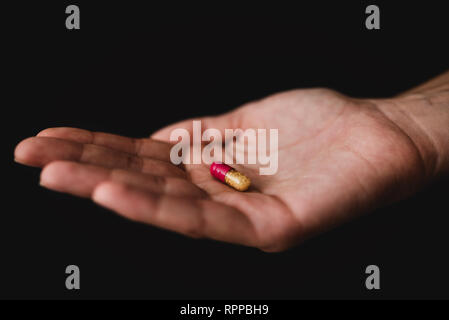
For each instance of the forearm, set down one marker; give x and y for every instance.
(423, 114)
(435, 85)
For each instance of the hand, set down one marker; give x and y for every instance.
(338, 157)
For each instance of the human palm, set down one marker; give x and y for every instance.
(338, 157)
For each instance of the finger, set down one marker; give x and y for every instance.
(81, 179)
(39, 151)
(140, 147)
(189, 216)
(222, 122)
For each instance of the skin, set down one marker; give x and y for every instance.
(339, 157)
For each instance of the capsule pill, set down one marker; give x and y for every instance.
(230, 176)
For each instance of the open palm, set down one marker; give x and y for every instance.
(338, 157)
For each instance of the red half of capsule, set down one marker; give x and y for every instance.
(219, 170)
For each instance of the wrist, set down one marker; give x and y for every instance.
(424, 118)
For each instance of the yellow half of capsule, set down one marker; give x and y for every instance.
(237, 180)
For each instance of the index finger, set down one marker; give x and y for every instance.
(142, 147)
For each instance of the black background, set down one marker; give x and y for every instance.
(132, 69)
